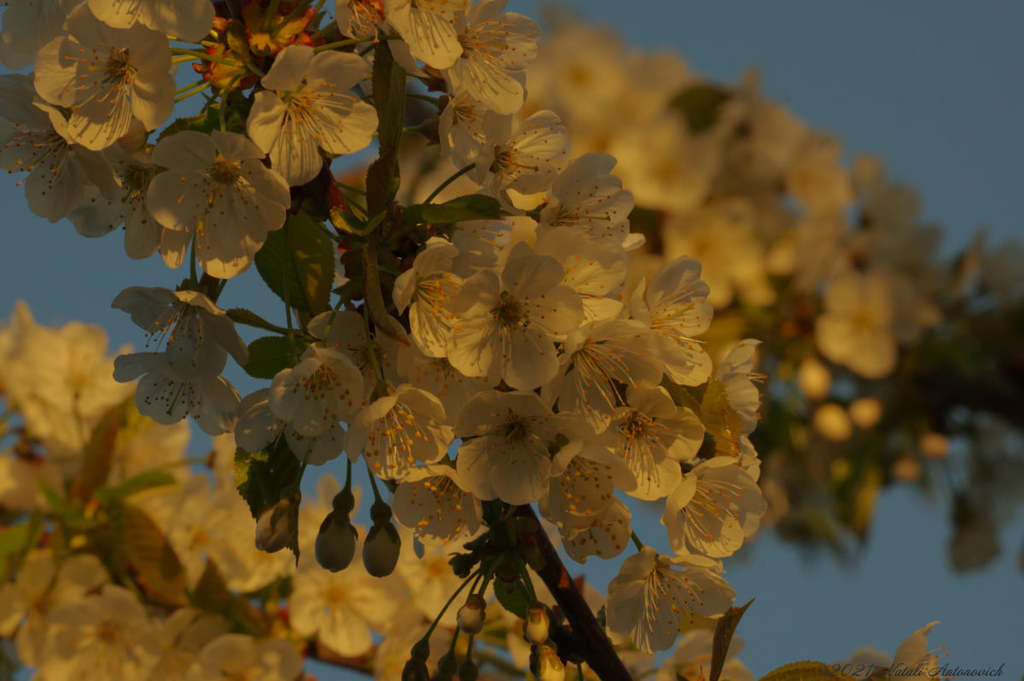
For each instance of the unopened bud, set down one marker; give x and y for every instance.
(549, 665)
(278, 527)
(380, 552)
(335, 543)
(344, 502)
(537, 624)
(468, 670)
(447, 667)
(471, 615)
(415, 670)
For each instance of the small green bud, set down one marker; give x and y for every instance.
(344, 502)
(335, 543)
(278, 526)
(380, 552)
(549, 665)
(471, 615)
(415, 670)
(468, 670)
(447, 667)
(421, 651)
(537, 625)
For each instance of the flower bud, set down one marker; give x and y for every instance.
(415, 670)
(335, 543)
(447, 667)
(537, 624)
(278, 527)
(549, 665)
(380, 552)
(471, 615)
(344, 502)
(468, 670)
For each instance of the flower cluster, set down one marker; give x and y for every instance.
(867, 324)
(510, 327)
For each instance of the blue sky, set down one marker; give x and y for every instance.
(933, 88)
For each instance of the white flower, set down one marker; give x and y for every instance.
(524, 157)
(431, 500)
(197, 334)
(495, 49)
(438, 377)
(429, 579)
(307, 106)
(323, 388)
(257, 427)
(652, 595)
(107, 77)
(588, 198)
(34, 139)
(182, 19)
(662, 164)
(341, 607)
(714, 509)
(855, 329)
(605, 536)
(602, 359)
(237, 656)
(507, 326)
(504, 454)
(216, 188)
(736, 375)
(359, 18)
(652, 436)
(581, 487)
(142, 233)
(185, 377)
(692, 659)
(400, 430)
(675, 307)
(27, 26)
(345, 331)
(594, 269)
(461, 129)
(429, 28)
(60, 380)
(100, 637)
(427, 289)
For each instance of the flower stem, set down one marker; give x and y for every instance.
(593, 644)
(459, 173)
(636, 542)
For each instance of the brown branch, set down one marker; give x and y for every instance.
(588, 635)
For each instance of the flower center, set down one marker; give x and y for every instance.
(509, 312)
(224, 171)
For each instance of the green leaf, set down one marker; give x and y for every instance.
(212, 594)
(240, 315)
(724, 630)
(389, 98)
(271, 354)
(135, 484)
(264, 478)
(13, 543)
(700, 105)
(806, 670)
(98, 453)
(297, 263)
(513, 596)
(147, 554)
(469, 207)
